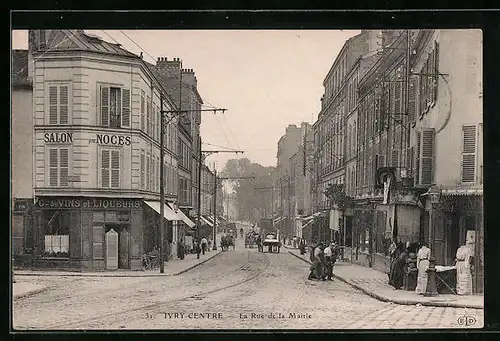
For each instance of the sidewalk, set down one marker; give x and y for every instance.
(374, 283)
(23, 289)
(173, 267)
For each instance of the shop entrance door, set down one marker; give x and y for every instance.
(111, 250)
(122, 245)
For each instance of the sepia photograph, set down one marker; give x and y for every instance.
(246, 179)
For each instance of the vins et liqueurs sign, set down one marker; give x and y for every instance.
(87, 203)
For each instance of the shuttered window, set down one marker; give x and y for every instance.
(58, 167)
(395, 157)
(148, 116)
(59, 104)
(115, 107)
(142, 109)
(417, 159)
(110, 168)
(412, 104)
(148, 163)
(468, 153)
(143, 161)
(126, 108)
(380, 161)
(427, 157)
(154, 174)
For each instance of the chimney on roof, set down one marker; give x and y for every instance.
(188, 77)
(170, 68)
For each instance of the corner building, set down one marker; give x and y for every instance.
(96, 114)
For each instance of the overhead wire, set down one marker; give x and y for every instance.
(136, 44)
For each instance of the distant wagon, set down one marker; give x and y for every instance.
(272, 243)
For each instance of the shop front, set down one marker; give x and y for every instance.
(87, 234)
(97, 234)
(456, 216)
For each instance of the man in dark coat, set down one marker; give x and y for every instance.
(398, 267)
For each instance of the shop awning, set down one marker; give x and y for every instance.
(206, 221)
(277, 220)
(308, 223)
(308, 218)
(168, 213)
(184, 218)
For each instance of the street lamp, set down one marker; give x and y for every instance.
(434, 195)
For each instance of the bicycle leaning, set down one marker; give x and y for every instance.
(150, 260)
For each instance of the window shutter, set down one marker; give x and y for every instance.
(105, 106)
(63, 104)
(380, 161)
(148, 116)
(468, 153)
(430, 78)
(412, 97)
(397, 97)
(154, 125)
(417, 160)
(436, 70)
(53, 105)
(115, 169)
(427, 157)
(125, 108)
(105, 168)
(395, 157)
(142, 169)
(148, 183)
(53, 167)
(63, 167)
(142, 110)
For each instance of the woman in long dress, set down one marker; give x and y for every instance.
(463, 265)
(423, 256)
(398, 270)
(395, 252)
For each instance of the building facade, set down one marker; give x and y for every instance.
(21, 155)
(330, 132)
(284, 186)
(96, 154)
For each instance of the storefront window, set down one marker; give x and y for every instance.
(56, 233)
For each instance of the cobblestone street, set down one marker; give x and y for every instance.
(239, 289)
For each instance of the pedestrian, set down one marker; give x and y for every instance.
(317, 266)
(209, 244)
(335, 255)
(423, 256)
(197, 248)
(302, 247)
(328, 262)
(397, 275)
(204, 244)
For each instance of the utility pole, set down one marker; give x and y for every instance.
(174, 113)
(200, 164)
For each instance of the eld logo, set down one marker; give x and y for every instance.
(466, 320)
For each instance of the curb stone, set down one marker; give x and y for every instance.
(30, 293)
(105, 274)
(402, 302)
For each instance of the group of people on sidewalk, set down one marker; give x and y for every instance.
(414, 258)
(323, 258)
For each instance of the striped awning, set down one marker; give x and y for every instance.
(181, 214)
(308, 223)
(206, 221)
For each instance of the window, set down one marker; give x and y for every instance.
(115, 107)
(58, 167)
(148, 116)
(380, 245)
(143, 161)
(148, 164)
(468, 153)
(110, 168)
(56, 233)
(58, 104)
(142, 109)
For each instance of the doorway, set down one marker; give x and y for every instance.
(123, 243)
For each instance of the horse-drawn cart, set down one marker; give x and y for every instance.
(226, 242)
(250, 240)
(272, 243)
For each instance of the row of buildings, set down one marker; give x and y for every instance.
(397, 145)
(85, 147)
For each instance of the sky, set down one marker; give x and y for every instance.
(266, 79)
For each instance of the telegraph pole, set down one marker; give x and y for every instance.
(173, 114)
